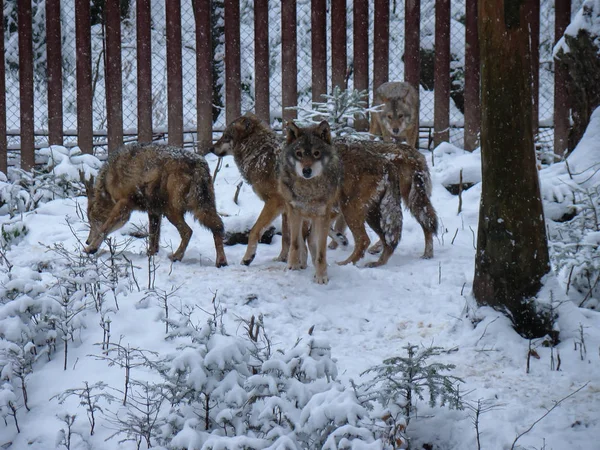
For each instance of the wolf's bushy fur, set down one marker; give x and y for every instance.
(309, 179)
(255, 149)
(161, 180)
(415, 185)
(398, 117)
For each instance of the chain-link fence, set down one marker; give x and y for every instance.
(304, 74)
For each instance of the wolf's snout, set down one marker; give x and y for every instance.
(307, 172)
(396, 130)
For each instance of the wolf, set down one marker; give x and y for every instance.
(398, 115)
(415, 188)
(310, 178)
(161, 180)
(256, 149)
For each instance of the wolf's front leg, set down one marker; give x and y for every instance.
(297, 254)
(269, 213)
(319, 234)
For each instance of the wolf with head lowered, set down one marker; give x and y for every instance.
(161, 180)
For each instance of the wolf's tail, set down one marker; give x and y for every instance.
(390, 219)
(419, 202)
(202, 199)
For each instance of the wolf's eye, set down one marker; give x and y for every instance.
(317, 154)
(298, 154)
(400, 116)
(390, 117)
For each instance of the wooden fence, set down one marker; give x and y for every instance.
(370, 66)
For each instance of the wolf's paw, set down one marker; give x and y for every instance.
(247, 260)
(427, 254)
(175, 257)
(221, 263)
(372, 264)
(376, 248)
(281, 258)
(321, 279)
(296, 266)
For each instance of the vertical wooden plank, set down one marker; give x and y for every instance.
(472, 109)
(83, 63)
(144, 71)
(261, 60)
(3, 141)
(381, 42)
(174, 72)
(233, 77)
(412, 59)
(361, 55)
(441, 111)
(54, 62)
(532, 8)
(561, 96)
(319, 49)
(26, 84)
(338, 43)
(289, 63)
(203, 74)
(113, 75)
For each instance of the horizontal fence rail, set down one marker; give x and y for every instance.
(127, 70)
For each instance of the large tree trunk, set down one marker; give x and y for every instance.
(512, 251)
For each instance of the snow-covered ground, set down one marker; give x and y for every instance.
(367, 315)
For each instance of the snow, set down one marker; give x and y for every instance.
(586, 19)
(365, 315)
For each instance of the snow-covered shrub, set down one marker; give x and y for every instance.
(340, 109)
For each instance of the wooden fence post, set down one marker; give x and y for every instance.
(83, 62)
(54, 63)
(289, 63)
(533, 11)
(472, 109)
(174, 72)
(204, 77)
(412, 59)
(233, 83)
(261, 60)
(441, 111)
(26, 84)
(113, 77)
(144, 71)
(3, 140)
(361, 56)
(562, 107)
(381, 43)
(339, 53)
(319, 49)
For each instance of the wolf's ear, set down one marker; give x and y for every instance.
(293, 132)
(89, 184)
(323, 132)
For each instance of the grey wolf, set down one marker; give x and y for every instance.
(161, 180)
(256, 149)
(398, 116)
(415, 188)
(310, 177)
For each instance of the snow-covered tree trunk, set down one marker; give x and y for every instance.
(512, 251)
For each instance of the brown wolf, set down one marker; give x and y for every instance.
(369, 194)
(398, 118)
(255, 149)
(415, 188)
(309, 179)
(161, 180)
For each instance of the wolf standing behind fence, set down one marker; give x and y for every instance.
(398, 117)
(161, 180)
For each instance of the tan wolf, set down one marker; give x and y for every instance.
(310, 178)
(398, 117)
(255, 149)
(415, 188)
(161, 180)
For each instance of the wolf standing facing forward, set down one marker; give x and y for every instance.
(309, 179)
(398, 117)
(161, 180)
